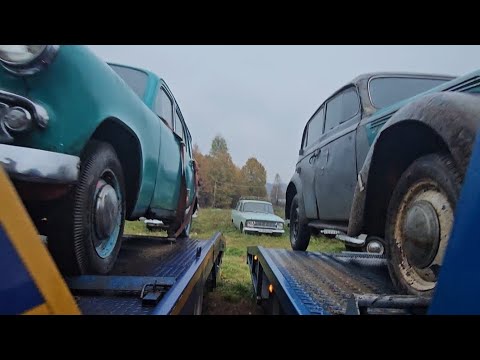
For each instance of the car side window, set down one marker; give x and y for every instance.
(315, 127)
(304, 137)
(341, 108)
(178, 126)
(188, 139)
(164, 107)
(334, 113)
(350, 104)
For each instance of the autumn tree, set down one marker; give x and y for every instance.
(219, 146)
(222, 183)
(277, 191)
(254, 178)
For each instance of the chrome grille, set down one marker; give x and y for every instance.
(264, 224)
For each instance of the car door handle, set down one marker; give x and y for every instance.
(326, 160)
(314, 156)
(298, 170)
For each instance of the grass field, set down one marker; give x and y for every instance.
(234, 294)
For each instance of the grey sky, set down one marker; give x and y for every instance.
(260, 97)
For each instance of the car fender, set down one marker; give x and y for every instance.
(453, 120)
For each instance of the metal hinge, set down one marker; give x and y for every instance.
(151, 294)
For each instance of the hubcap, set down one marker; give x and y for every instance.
(107, 214)
(422, 228)
(106, 209)
(422, 234)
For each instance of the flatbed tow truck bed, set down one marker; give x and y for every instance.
(152, 276)
(316, 283)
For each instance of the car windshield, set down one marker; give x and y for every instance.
(385, 91)
(135, 79)
(258, 207)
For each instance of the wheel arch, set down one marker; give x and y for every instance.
(440, 122)
(293, 188)
(117, 134)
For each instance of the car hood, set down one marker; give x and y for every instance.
(261, 216)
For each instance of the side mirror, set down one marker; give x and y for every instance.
(300, 152)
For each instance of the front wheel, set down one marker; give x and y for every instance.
(419, 220)
(299, 231)
(85, 232)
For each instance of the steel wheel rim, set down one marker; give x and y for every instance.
(106, 235)
(423, 277)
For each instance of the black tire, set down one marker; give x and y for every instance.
(299, 230)
(75, 241)
(241, 228)
(431, 177)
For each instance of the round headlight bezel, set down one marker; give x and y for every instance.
(33, 65)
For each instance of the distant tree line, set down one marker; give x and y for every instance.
(222, 182)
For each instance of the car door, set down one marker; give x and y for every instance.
(235, 215)
(167, 185)
(335, 166)
(189, 166)
(310, 149)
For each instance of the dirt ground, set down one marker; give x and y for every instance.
(215, 304)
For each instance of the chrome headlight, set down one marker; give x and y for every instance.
(250, 223)
(26, 59)
(279, 226)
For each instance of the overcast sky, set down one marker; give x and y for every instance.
(260, 97)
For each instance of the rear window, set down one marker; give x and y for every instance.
(386, 91)
(135, 79)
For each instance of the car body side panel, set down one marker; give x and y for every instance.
(335, 173)
(235, 218)
(306, 167)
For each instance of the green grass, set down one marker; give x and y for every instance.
(235, 285)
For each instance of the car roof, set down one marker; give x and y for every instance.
(367, 76)
(257, 201)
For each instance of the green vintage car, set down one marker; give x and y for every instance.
(254, 216)
(90, 144)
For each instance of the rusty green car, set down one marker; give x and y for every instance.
(90, 144)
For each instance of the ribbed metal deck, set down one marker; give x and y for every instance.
(152, 257)
(320, 283)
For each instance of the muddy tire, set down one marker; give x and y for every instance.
(299, 231)
(419, 221)
(85, 232)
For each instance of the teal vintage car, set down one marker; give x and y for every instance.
(254, 216)
(90, 144)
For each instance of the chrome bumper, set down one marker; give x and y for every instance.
(39, 165)
(263, 231)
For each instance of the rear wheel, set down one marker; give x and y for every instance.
(299, 231)
(419, 220)
(85, 232)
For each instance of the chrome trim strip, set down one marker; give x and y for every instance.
(39, 165)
